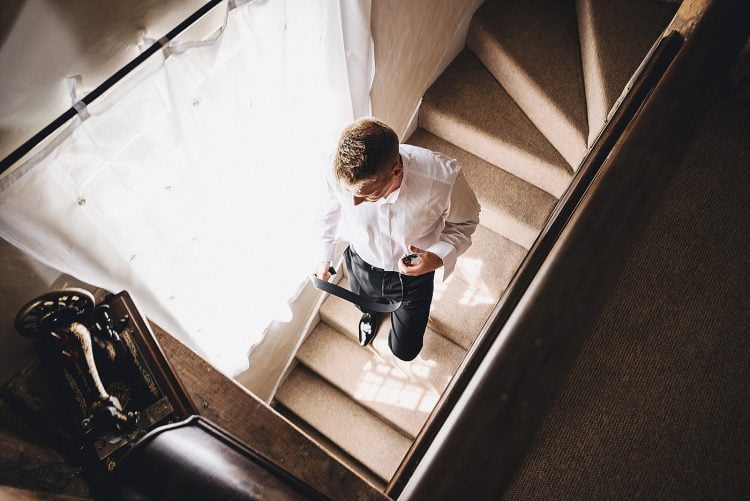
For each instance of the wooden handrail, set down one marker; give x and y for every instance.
(618, 131)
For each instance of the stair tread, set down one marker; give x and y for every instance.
(614, 39)
(332, 448)
(532, 48)
(368, 378)
(511, 207)
(469, 108)
(462, 304)
(349, 425)
(434, 366)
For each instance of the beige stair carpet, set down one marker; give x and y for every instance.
(469, 108)
(511, 207)
(615, 37)
(432, 369)
(354, 380)
(352, 427)
(333, 449)
(366, 377)
(531, 47)
(462, 304)
(352, 389)
(368, 404)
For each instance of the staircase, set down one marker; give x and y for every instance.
(519, 108)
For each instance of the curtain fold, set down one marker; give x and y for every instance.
(190, 184)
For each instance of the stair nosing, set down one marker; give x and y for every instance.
(552, 178)
(331, 447)
(300, 372)
(580, 136)
(508, 219)
(391, 422)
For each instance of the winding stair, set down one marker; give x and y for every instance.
(519, 108)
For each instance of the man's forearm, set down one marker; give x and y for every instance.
(460, 224)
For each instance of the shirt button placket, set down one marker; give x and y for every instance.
(385, 236)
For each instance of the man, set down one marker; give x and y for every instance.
(389, 200)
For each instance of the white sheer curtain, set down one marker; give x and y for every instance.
(190, 184)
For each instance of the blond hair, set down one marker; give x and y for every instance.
(365, 150)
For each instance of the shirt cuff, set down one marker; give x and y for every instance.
(447, 253)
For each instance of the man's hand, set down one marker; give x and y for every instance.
(427, 262)
(321, 271)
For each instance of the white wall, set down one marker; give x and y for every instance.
(415, 41)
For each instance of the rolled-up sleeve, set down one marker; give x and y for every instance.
(460, 222)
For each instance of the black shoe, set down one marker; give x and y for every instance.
(368, 328)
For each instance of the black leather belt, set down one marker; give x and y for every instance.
(365, 303)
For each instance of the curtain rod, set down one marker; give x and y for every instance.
(47, 131)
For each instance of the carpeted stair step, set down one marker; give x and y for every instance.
(531, 47)
(511, 207)
(331, 447)
(469, 108)
(434, 366)
(462, 304)
(349, 425)
(615, 37)
(366, 377)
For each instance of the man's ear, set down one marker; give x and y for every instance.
(397, 169)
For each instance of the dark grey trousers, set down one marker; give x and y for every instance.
(409, 322)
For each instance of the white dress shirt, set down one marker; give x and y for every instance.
(434, 209)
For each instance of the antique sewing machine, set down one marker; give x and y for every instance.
(107, 369)
(137, 431)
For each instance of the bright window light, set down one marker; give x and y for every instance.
(192, 184)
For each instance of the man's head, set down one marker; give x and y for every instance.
(367, 160)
